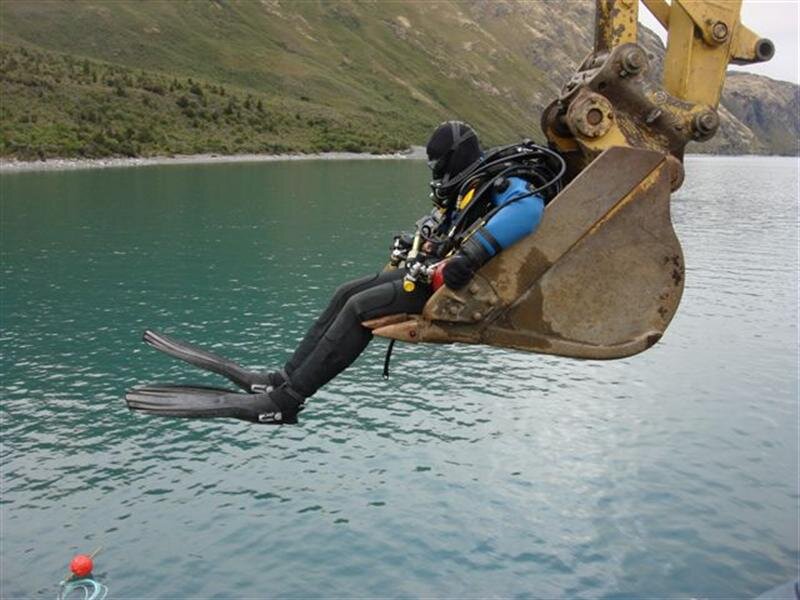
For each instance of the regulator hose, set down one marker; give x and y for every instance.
(543, 165)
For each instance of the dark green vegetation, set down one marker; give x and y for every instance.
(58, 105)
(329, 76)
(125, 77)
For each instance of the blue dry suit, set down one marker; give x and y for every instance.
(513, 221)
(337, 337)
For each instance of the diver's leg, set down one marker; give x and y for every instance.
(343, 293)
(249, 381)
(340, 339)
(345, 338)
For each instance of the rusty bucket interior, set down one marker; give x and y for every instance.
(600, 278)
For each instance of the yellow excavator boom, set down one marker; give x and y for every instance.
(704, 37)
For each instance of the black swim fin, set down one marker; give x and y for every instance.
(280, 406)
(247, 380)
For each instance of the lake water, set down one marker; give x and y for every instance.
(472, 472)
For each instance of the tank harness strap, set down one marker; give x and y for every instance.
(484, 234)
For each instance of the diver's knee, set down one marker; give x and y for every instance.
(372, 303)
(343, 291)
(351, 307)
(348, 288)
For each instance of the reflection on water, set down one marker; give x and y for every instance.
(472, 472)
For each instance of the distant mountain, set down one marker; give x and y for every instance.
(768, 109)
(81, 77)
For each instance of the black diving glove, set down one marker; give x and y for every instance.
(460, 269)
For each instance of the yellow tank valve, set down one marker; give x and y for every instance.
(409, 286)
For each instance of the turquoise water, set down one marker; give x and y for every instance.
(472, 472)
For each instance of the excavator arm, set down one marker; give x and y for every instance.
(615, 100)
(603, 275)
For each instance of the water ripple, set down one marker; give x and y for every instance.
(473, 472)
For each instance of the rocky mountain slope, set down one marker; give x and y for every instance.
(768, 109)
(328, 75)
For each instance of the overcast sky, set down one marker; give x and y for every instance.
(778, 20)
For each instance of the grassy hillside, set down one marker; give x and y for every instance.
(386, 71)
(354, 75)
(58, 105)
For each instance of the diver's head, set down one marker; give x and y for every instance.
(452, 149)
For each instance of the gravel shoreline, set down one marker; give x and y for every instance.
(68, 164)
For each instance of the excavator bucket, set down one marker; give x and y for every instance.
(600, 278)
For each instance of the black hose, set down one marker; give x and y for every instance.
(524, 152)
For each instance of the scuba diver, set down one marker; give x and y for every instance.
(483, 203)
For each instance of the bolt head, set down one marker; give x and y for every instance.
(705, 124)
(594, 116)
(633, 61)
(708, 121)
(719, 31)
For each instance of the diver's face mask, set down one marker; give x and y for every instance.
(439, 177)
(438, 166)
